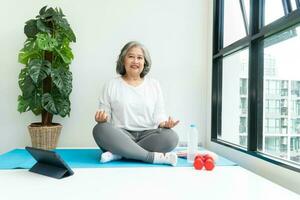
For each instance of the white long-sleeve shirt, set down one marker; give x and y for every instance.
(135, 108)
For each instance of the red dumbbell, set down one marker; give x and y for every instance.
(205, 161)
(209, 162)
(198, 162)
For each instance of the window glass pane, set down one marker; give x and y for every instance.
(276, 146)
(235, 98)
(234, 28)
(294, 5)
(273, 10)
(281, 128)
(295, 149)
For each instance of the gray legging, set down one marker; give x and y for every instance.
(137, 145)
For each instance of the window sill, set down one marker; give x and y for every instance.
(260, 155)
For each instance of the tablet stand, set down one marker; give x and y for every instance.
(50, 170)
(49, 163)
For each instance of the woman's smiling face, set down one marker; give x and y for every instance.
(134, 61)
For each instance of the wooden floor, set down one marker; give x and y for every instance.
(172, 183)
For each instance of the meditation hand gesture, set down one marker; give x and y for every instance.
(101, 116)
(170, 123)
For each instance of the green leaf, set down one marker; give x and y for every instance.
(48, 15)
(31, 95)
(25, 56)
(26, 84)
(22, 76)
(46, 42)
(62, 78)
(42, 26)
(35, 102)
(23, 105)
(30, 45)
(65, 28)
(61, 12)
(39, 70)
(62, 103)
(30, 29)
(65, 54)
(70, 34)
(34, 69)
(65, 51)
(30, 51)
(63, 106)
(49, 104)
(61, 22)
(43, 9)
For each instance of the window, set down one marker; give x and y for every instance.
(294, 4)
(235, 21)
(256, 82)
(295, 126)
(295, 149)
(273, 107)
(243, 83)
(235, 76)
(273, 10)
(276, 146)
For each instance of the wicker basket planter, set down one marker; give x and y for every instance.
(44, 137)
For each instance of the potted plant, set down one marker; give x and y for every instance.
(46, 80)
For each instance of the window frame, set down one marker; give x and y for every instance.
(254, 42)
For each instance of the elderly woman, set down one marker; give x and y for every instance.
(131, 118)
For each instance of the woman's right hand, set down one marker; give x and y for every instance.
(101, 116)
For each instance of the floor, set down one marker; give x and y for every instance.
(184, 183)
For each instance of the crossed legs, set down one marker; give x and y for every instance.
(143, 147)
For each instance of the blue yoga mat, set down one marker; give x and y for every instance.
(85, 158)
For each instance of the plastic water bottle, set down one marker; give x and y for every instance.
(192, 143)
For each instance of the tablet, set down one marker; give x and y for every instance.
(49, 163)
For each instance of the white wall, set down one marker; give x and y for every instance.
(174, 31)
(284, 177)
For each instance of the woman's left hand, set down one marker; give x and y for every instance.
(170, 123)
